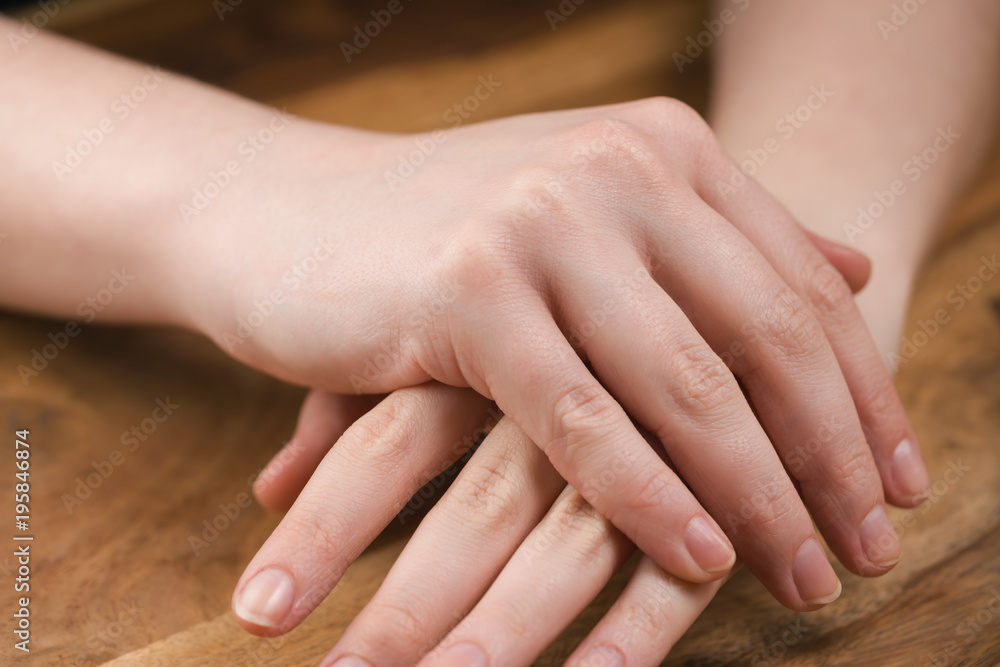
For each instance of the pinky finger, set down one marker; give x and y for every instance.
(322, 420)
(645, 622)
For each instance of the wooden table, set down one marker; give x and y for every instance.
(115, 580)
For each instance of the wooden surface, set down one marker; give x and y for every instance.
(116, 581)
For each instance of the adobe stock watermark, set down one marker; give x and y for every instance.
(287, 455)
(91, 306)
(223, 7)
(899, 16)
(912, 170)
(261, 652)
(264, 308)
(212, 527)
(596, 487)
(461, 451)
(131, 440)
(42, 356)
(582, 154)
(425, 145)
(30, 25)
(956, 300)
(121, 108)
(887, 540)
(422, 318)
(595, 319)
(698, 44)
(971, 627)
(786, 308)
(796, 461)
(230, 511)
(59, 340)
(785, 128)
(953, 474)
(791, 633)
(562, 12)
(218, 180)
(106, 638)
(363, 35)
(562, 520)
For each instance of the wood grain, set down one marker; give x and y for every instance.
(115, 578)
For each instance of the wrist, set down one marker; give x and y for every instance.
(250, 222)
(196, 246)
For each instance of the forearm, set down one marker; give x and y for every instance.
(888, 94)
(100, 171)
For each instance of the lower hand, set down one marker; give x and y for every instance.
(505, 560)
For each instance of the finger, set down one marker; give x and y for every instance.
(562, 565)
(887, 429)
(795, 381)
(323, 419)
(679, 388)
(548, 391)
(853, 266)
(646, 620)
(461, 545)
(363, 481)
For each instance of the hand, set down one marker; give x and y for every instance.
(504, 490)
(636, 265)
(505, 560)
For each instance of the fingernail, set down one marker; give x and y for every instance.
(348, 661)
(813, 575)
(266, 599)
(602, 656)
(879, 539)
(908, 470)
(461, 655)
(708, 546)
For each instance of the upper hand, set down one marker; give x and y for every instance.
(523, 248)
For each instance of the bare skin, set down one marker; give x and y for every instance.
(483, 269)
(816, 173)
(186, 278)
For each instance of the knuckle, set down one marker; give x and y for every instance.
(828, 292)
(774, 504)
(610, 153)
(577, 516)
(853, 475)
(581, 414)
(877, 400)
(518, 619)
(479, 259)
(788, 325)
(655, 492)
(383, 436)
(627, 144)
(484, 492)
(671, 116)
(660, 107)
(595, 133)
(317, 530)
(410, 630)
(537, 198)
(700, 381)
(695, 151)
(649, 615)
(583, 530)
